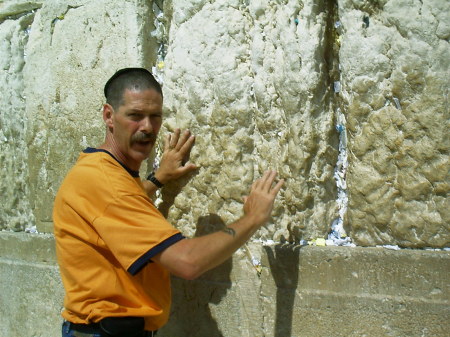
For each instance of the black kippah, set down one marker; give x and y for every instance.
(123, 71)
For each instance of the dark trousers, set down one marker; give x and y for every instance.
(92, 330)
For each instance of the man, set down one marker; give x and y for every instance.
(114, 249)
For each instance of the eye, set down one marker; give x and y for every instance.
(135, 116)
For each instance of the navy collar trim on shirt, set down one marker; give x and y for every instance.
(133, 173)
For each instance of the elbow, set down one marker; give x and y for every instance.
(189, 271)
(189, 277)
(180, 260)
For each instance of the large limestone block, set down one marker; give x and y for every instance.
(251, 81)
(31, 293)
(280, 290)
(73, 48)
(335, 291)
(15, 211)
(395, 79)
(225, 301)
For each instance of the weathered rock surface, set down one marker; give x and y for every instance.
(15, 211)
(73, 47)
(395, 79)
(254, 81)
(291, 291)
(251, 81)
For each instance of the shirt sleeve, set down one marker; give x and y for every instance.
(135, 231)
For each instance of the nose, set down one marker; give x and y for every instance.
(146, 125)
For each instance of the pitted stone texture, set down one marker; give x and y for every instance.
(15, 9)
(15, 212)
(289, 291)
(32, 293)
(86, 42)
(374, 292)
(395, 80)
(250, 81)
(223, 302)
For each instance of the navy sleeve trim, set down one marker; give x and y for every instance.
(144, 259)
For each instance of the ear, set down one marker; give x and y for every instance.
(108, 113)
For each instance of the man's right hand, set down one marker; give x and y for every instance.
(174, 161)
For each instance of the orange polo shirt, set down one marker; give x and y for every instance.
(106, 231)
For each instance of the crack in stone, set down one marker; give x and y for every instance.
(60, 17)
(15, 15)
(337, 235)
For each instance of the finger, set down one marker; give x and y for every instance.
(269, 177)
(166, 142)
(277, 187)
(182, 140)
(256, 184)
(259, 183)
(174, 138)
(187, 146)
(187, 151)
(189, 167)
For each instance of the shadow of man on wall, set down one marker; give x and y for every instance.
(170, 192)
(191, 314)
(284, 263)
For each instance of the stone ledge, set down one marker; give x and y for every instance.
(307, 291)
(29, 247)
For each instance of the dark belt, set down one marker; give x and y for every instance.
(94, 328)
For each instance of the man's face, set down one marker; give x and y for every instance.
(135, 125)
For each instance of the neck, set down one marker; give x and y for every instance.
(111, 146)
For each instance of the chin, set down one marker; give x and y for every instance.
(139, 156)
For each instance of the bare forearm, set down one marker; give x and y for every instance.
(149, 188)
(190, 258)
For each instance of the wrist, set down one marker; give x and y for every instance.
(161, 176)
(151, 177)
(254, 221)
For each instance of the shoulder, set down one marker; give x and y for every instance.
(98, 171)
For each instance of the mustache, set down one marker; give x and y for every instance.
(144, 137)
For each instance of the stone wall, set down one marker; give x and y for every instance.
(296, 291)
(263, 84)
(347, 99)
(395, 82)
(15, 208)
(251, 80)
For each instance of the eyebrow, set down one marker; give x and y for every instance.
(134, 110)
